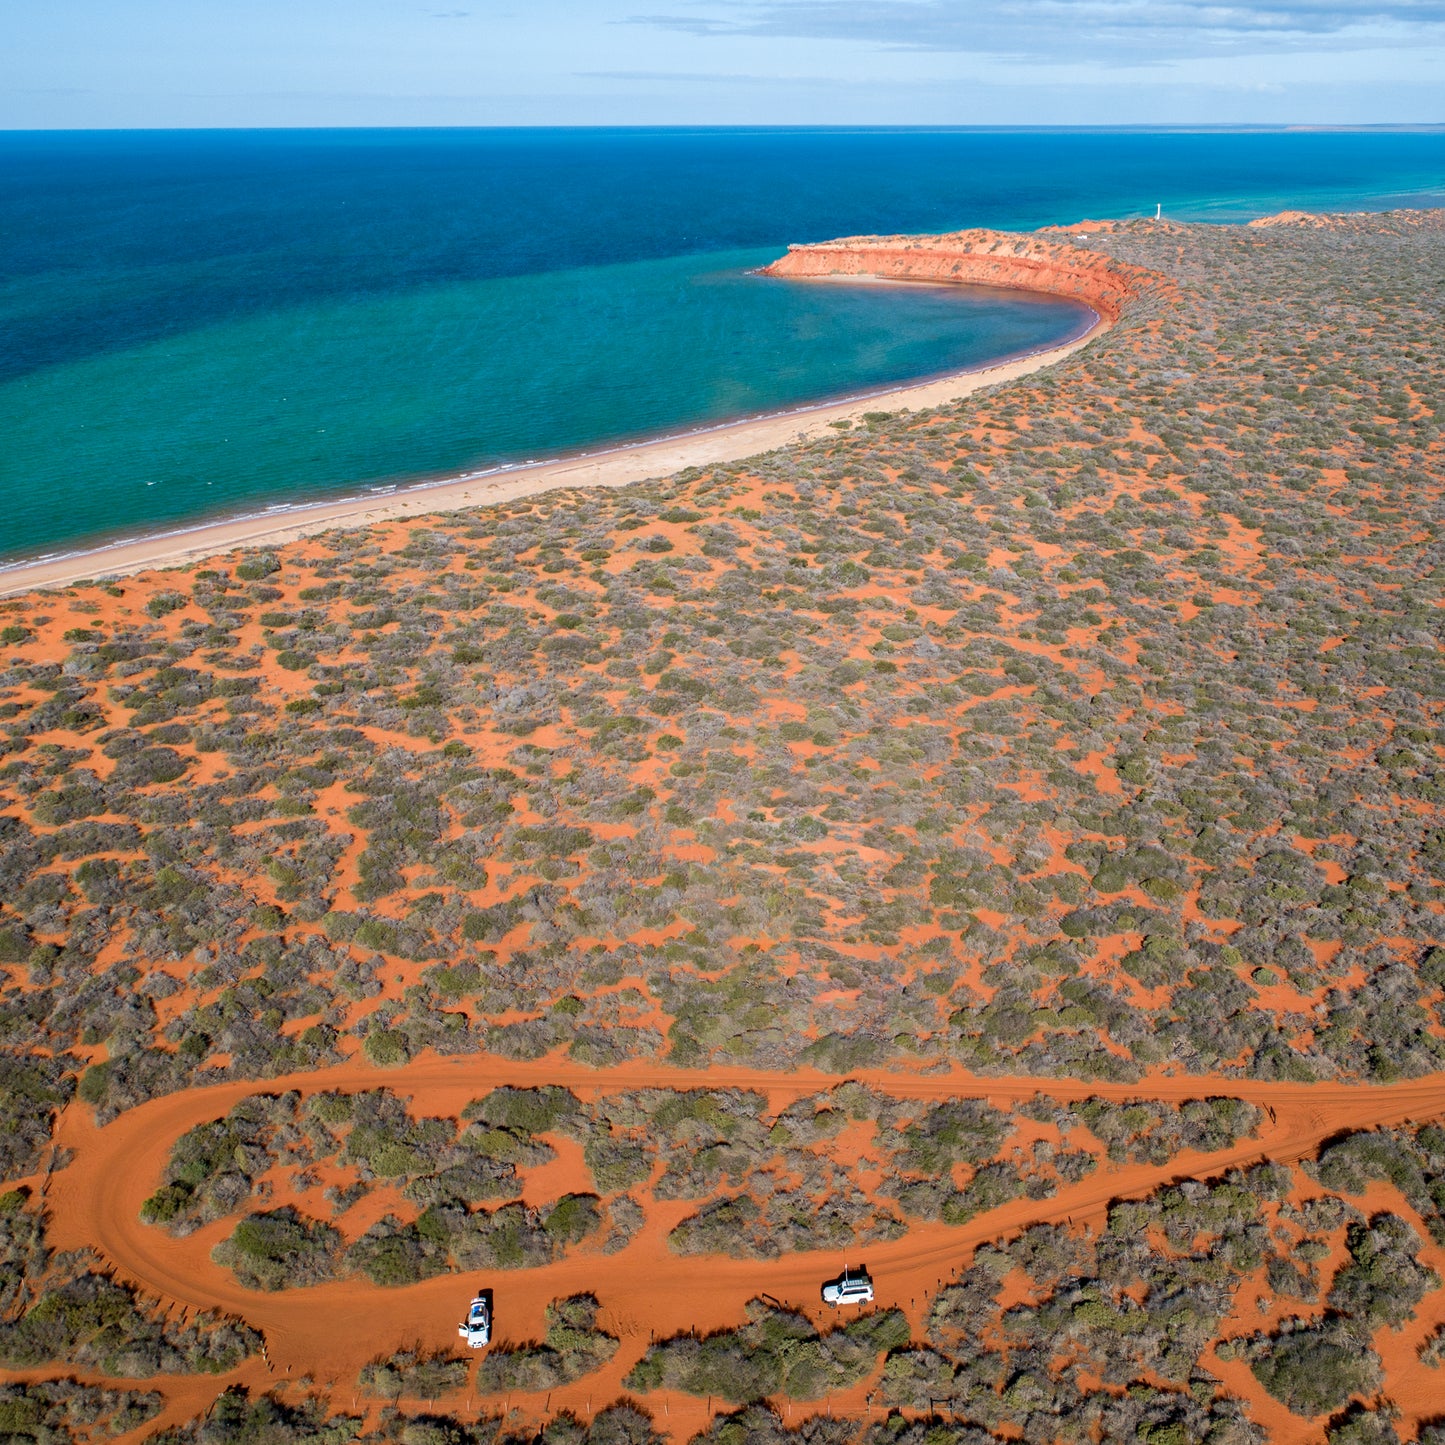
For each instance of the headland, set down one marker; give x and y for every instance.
(1043, 262)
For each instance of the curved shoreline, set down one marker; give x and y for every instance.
(613, 466)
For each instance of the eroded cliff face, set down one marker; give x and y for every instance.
(980, 258)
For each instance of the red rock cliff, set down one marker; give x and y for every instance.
(981, 258)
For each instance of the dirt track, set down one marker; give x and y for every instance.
(329, 1331)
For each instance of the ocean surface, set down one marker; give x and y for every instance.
(196, 324)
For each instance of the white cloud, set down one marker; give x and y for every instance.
(1117, 30)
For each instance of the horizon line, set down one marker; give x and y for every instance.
(1151, 128)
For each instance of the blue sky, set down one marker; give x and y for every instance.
(67, 63)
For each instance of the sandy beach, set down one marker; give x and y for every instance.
(614, 467)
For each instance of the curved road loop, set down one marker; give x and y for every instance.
(326, 1333)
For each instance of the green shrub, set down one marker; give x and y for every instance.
(280, 1249)
(573, 1217)
(1317, 1368)
(253, 569)
(95, 1083)
(386, 1048)
(414, 1374)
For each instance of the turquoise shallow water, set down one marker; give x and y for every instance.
(302, 401)
(200, 323)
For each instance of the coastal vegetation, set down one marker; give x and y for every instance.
(766, 1183)
(66, 1309)
(574, 1346)
(777, 1352)
(969, 840)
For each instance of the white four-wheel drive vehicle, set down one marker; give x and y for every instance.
(852, 1287)
(476, 1329)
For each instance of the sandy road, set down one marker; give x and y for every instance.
(329, 1331)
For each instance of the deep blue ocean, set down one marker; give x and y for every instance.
(201, 323)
